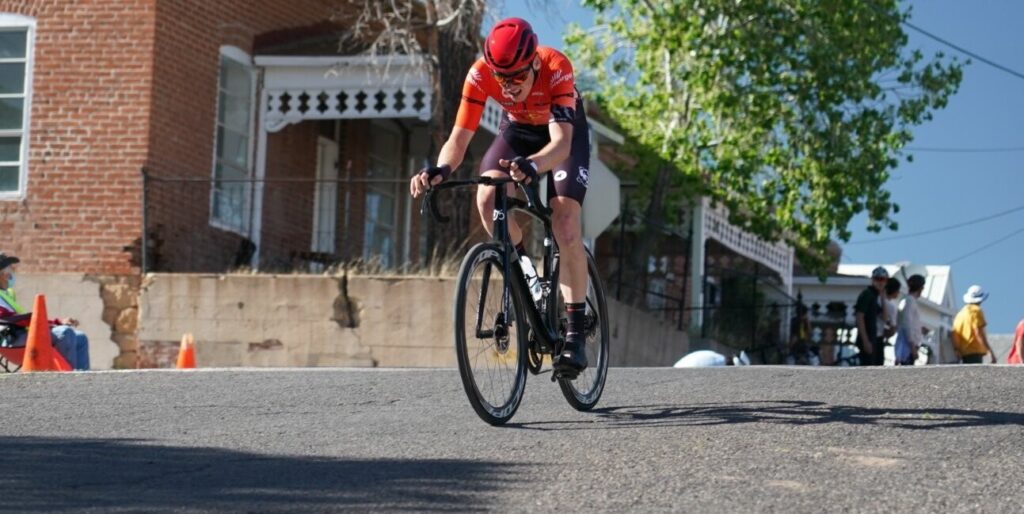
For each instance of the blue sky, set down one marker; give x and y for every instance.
(938, 189)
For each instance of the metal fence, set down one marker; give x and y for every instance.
(194, 224)
(748, 310)
(744, 307)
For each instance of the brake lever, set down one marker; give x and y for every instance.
(532, 192)
(428, 200)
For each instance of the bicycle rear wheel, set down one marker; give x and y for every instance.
(584, 392)
(490, 337)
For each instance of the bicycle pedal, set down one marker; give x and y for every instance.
(565, 374)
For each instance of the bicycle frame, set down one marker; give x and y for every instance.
(545, 330)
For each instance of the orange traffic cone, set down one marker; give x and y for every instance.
(187, 353)
(40, 355)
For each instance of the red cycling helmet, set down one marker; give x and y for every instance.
(510, 46)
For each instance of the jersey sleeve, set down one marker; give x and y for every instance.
(563, 90)
(471, 108)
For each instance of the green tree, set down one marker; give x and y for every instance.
(791, 113)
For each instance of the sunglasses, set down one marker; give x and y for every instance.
(512, 79)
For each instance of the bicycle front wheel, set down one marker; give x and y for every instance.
(490, 336)
(584, 392)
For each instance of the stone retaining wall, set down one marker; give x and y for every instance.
(291, 320)
(300, 320)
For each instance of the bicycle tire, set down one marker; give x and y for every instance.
(492, 403)
(584, 399)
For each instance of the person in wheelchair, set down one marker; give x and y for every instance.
(72, 343)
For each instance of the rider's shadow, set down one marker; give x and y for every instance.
(786, 412)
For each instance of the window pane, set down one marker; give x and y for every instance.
(234, 77)
(382, 245)
(10, 149)
(379, 208)
(384, 143)
(12, 43)
(227, 204)
(386, 213)
(10, 113)
(8, 178)
(385, 153)
(12, 78)
(232, 147)
(234, 112)
(229, 197)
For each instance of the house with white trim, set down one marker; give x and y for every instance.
(831, 303)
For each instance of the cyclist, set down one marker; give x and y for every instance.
(544, 130)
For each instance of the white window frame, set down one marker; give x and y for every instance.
(241, 57)
(17, 21)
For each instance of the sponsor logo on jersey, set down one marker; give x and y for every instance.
(475, 78)
(584, 177)
(558, 77)
(560, 175)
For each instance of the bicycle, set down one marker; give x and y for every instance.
(509, 332)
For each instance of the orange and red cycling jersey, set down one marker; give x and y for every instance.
(552, 98)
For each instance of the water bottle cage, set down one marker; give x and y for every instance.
(539, 300)
(545, 287)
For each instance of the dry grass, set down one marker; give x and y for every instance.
(438, 266)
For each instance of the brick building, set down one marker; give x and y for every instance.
(263, 143)
(235, 109)
(95, 91)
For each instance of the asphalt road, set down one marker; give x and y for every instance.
(755, 439)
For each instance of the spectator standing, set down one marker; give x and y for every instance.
(890, 312)
(72, 344)
(1017, 350)
(969, 338)
(909, 331)
(868, 312)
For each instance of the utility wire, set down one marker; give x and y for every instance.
(987, 246)
(965, 51)
(965, 150)
(940, 229)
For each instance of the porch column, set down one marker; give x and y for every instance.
(697, 270)
(256, 224)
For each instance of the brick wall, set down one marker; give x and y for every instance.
(288, 206)
(189, 36)
(118, 85)
(88, 136)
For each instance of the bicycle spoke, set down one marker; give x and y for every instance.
(493, 364)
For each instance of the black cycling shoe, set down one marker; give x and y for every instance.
(573, 358)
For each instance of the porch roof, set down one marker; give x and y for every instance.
(297, 88)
